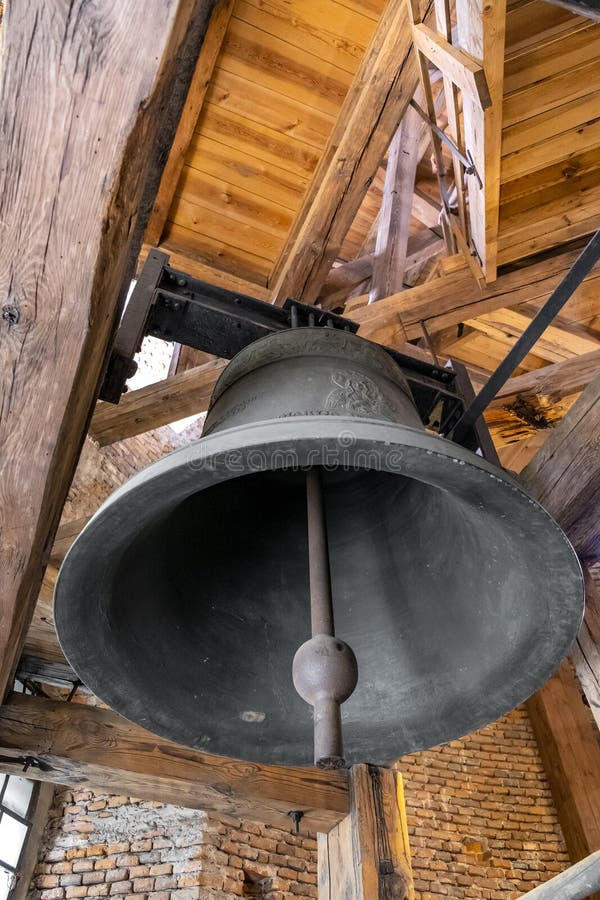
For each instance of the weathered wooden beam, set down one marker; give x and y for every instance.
(367, 854)
(564, 476)
(81, 139)
(456, 297)
(65, 535)
(569, 744)
(205, 65)
(565, 473)
(586, 651)
(79, 744)
(553, 382)
(368, 119)
(391, 248)
(157, 404)
(463, 70)
(481, 33)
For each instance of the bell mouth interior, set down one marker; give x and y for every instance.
(458, 595)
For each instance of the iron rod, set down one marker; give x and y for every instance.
(321, 604)
(555, 302)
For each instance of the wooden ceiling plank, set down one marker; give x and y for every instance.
(368, 119)
(481, 33)
(207, 59)
(206, 273)
(270, 108)
(247, 136)
(87, 745)
(258, 56)
(550, 92)
(451, 299)
(391, 246)
(235, 202)
(553, 140)
(246, 171)
(318, 28)
(243, 236)
(216, 254)
(581, 45)
(69, 232)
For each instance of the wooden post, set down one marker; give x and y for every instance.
(90, 94)
(366, 856)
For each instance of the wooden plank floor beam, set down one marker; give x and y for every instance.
(86, 745)
(368, 119)
(81, 140)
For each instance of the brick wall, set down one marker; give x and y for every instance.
(128, 849)
(481, 818)
(481, 821)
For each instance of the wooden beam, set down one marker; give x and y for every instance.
(65, 536)
(79, 744)
(454, 298)
(157, 404)
(564, 476)
(569, 744)
(586, 651)
(552, 383)
(556, 344)
(205, 65)
(370, 115)
(463, 70)
(565, 473)
(391, 248)
(367, 854)
(81, 139)
(481, 30)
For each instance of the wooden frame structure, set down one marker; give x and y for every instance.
(73, 208)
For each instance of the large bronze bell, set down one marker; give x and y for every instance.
(184, 601)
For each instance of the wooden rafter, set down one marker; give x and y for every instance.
(87, 745)
(370, 114)
(205, 65)
(80, 142)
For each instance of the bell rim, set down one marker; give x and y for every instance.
(271, 433)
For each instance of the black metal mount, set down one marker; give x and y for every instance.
(172, 305)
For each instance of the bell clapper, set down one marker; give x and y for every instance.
(324, 671)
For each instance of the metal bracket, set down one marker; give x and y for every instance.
(172, 305)
(27, 762)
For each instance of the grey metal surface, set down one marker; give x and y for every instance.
(184, 600)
